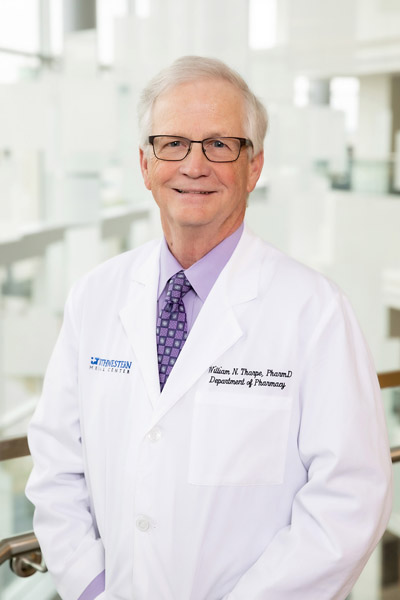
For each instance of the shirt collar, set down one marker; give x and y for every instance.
(203, 273)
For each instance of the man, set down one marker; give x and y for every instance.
(211, 426)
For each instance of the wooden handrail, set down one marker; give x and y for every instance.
(389, 379)
(18, 446)
(14, 448)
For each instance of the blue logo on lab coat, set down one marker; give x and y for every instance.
(112, 365)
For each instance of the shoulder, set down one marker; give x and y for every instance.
(281, 271)
(291, 289)
(113, 274)
(306, 304)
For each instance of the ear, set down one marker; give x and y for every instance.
(144, 166)
(254, 170)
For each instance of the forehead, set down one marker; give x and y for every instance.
(205, 106)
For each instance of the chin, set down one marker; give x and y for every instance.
(192, 218)
(191, 223)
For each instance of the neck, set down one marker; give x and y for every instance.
(191, 244)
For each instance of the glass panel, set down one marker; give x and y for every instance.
(17, 511)
(362, 176)
(16, 517)
(371, 176)
(16, 68)
(380, 579)
(37, 587)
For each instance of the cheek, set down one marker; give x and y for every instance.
(229, 175)
(238, 180)
(160, 173)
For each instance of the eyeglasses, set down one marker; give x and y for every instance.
(218, 149)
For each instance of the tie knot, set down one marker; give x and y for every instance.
(178, 286)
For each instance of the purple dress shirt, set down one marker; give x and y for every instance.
(95, 587)
(202, 276)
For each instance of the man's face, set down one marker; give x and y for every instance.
(195, 192)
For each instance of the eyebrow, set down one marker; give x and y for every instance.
(210, 135)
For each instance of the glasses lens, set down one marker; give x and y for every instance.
(170, 147)
(222, 149)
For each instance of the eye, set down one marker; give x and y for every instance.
(173, 143)
(217, 144)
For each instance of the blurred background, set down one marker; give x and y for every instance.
(71, 192)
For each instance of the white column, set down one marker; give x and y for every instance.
(373, 138)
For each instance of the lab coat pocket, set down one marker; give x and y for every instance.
(239, 439)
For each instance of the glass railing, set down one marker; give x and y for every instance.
(380, 579)
(20, 548)
(364, 176)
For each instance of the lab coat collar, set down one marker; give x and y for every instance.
(217, 327)
(215, 330)
(139, 316)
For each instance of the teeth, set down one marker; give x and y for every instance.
(189, 192)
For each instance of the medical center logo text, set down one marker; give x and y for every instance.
(105, 364)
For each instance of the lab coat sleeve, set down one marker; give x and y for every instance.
(63, 521)
(341, 512)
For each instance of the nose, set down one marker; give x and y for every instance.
(195, 164)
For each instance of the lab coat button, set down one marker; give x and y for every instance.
(143, 523)
(155, 434)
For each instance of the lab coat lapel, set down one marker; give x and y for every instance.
(216, 328)
(139, 317)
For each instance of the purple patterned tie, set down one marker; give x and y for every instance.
(171, 325)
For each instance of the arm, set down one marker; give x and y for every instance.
(341, 512)
(63, 520)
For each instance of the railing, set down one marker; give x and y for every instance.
(113, 222)
(14, 448)
(23, 551)
(391, 379)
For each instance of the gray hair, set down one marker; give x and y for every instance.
(192, 68)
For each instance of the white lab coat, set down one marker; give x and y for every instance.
(218, 488)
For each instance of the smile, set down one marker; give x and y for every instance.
(193, 192)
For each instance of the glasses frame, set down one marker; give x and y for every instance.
(243, 142)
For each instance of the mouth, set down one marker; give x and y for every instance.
(200, 192)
